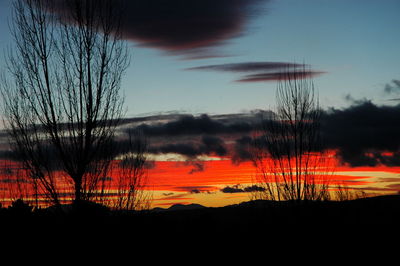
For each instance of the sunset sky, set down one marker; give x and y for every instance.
(203, 72)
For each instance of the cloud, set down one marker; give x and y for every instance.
(187, 149)
(353, 101)
(191, 125)
(242, 150)
(232, 189)
(209, 145)
(393, 87)
(242, 189)
(263, 77)
(247, 67)
(184, 27)
(215, 145)
(195, 189)
(264, 71)
(6, 153)
(187, 135)
(193, 136)
(173, 196)
(364, 134)
(254, 188)
(197, 167)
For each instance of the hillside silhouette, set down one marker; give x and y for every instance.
(251, 219)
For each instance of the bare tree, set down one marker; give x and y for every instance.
(62, 98)
(132, 174)
(343, 192)
(288, 153)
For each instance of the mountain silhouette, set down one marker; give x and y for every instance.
(180, 207)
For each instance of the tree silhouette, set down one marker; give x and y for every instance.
(61, 95)
(132, 176)
(288, 149)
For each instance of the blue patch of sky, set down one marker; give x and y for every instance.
(355, 42)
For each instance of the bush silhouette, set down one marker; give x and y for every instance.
(19, 207)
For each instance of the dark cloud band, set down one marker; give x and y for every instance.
(248, 67)
(191, 125)
(182, 26)
(264, 71)
(262, 77)
(363, 134)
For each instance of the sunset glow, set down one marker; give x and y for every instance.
(173, 182)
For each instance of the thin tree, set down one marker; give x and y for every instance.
(62, 99)
(288, 152)
(132, 174)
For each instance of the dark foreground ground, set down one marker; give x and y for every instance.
(255, 218)
(251, 232)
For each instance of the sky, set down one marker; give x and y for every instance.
(355, 44)
(222, 57)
